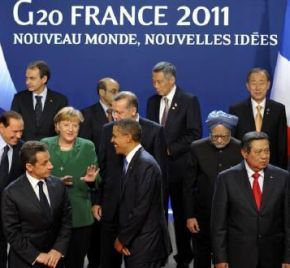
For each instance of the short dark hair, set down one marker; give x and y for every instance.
(258, 70)
(167, 68)
(29, 150)
(131, 98)
(42, 66)
(249, 137)
(131, 127)
(6, 116)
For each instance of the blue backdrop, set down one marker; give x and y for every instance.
(212, 43)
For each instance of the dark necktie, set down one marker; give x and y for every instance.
(165, 111)
(4, 166)
(38, 109)
(125, 167)
(110, 114)
(43, 200)
(257, 190)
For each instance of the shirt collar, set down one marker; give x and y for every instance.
(132, 153)
(43, 94)
(250, 172)
(104, 106)
(33, 181)
(171, 94)
(3, 143)
(255, 104)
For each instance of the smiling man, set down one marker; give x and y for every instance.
(260, 114)
(250, 211)
(142, 236)
(38, 105)
(11, 129)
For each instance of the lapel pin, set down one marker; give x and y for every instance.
(51, 100)
(267, 111)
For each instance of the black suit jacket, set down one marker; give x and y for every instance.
(16, 167)
(23, 104)
(95, 118)
(27, 230)
(206, 163)
(274, 124)
(242, 235)
(142, 224)
(111, 164)
(183, 126)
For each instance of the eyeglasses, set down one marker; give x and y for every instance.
(216, 137)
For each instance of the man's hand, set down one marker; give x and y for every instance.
(42, 258)
(222, 265)
(91, 174)
(121, 248)
(54, 257)
(192, 225)
(97, 212)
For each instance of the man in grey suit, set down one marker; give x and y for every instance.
(142, 236)
(250, 212)
(36, 212)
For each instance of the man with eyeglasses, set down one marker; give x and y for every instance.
(250, 210)
(209, 156)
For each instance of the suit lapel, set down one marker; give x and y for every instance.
(51, 192)
(269, 179)
(266, 117)
(130, 169)
(246, 186)
(174, 107)
(250, 115)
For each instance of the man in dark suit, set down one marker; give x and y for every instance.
(125, 106)
(260, 114)
(95, 117)
(38, 105)
(11, 129)
(36, 212)
(100, 113)
(209, 156)
(250, 212)
(179, 113)
(143, 237)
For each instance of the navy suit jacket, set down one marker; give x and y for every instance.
(183, 126)
(142, 224)
(26, 228)
(23, 104)
(111, 164)
(242, 235)
(95, 118)
(274, 124)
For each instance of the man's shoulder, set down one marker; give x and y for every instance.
(149, 123)
(240, 104)
(201, 143)
(16, 185)
(56, 94)
(277, 170)
(91, 109)
(22, 94)
(154, 99)
(275, 104)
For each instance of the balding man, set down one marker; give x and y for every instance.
(99, 113)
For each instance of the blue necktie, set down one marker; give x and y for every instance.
(4, 166)
(125, 166)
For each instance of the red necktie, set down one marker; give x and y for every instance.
(256, 190)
